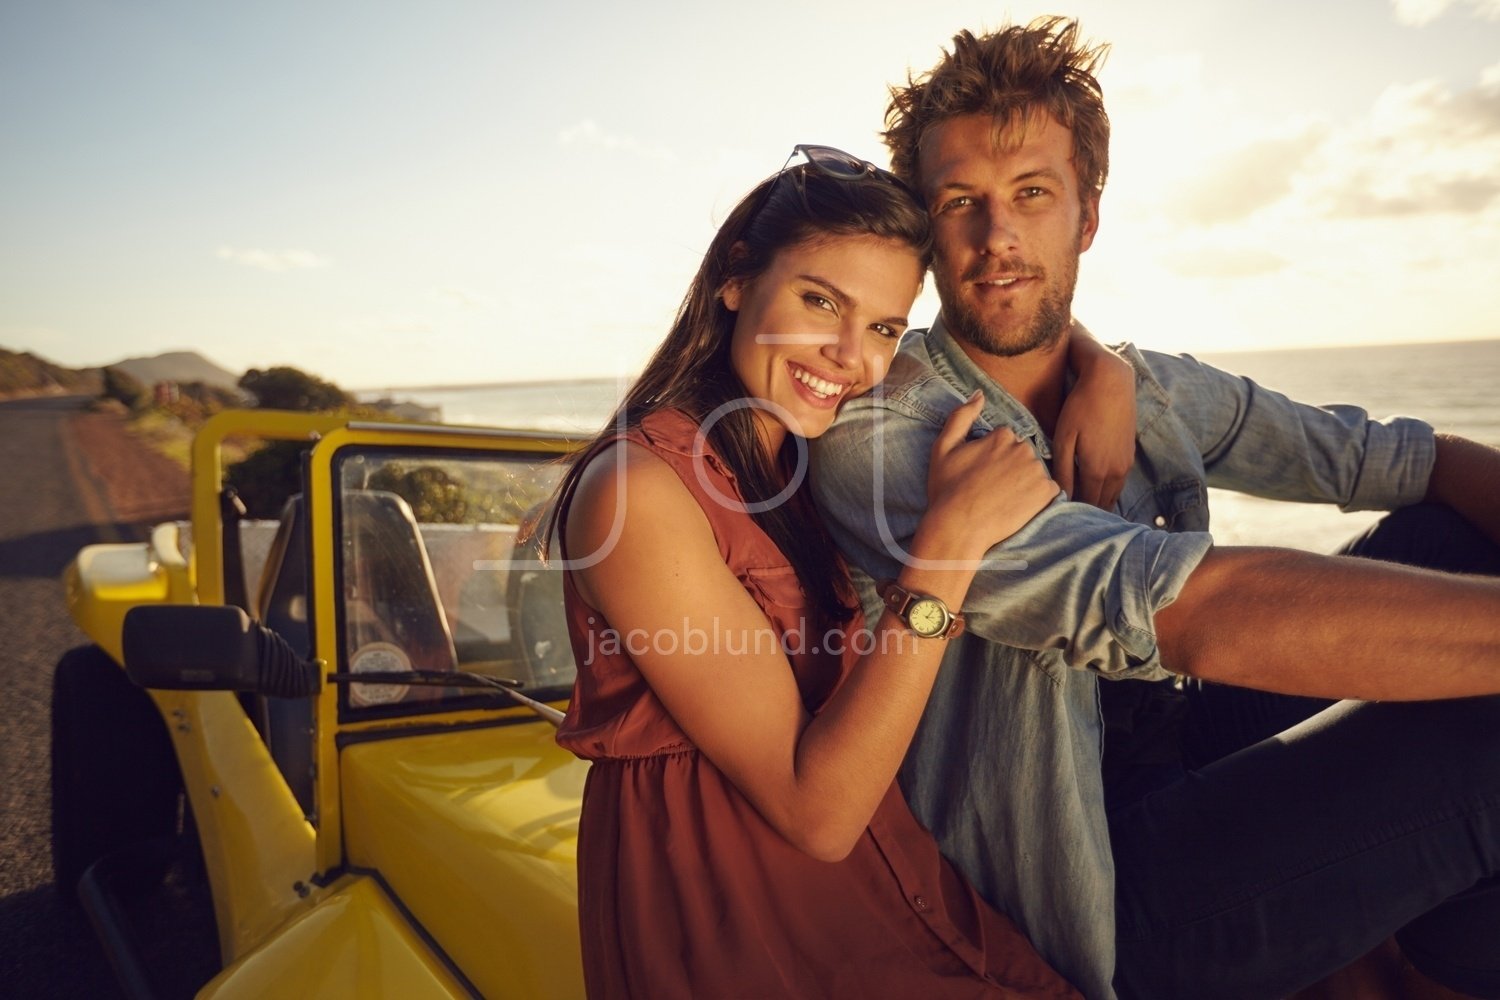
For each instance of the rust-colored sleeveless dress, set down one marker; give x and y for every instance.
(685, 891)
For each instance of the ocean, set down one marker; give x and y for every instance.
(1451, 385)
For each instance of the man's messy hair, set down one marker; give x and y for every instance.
(1008, 74)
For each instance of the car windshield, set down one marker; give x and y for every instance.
(436, 573)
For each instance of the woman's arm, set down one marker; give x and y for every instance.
(1096, 428)
(712, 658)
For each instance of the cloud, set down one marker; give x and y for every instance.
(1422, 149)
(1416, 13)
(1430, 107)
(273, 260)
(387, 329)
(1463, 195)
(1429, 147)
(461, 298)
(1224, 262)
(1164, 78)
(1246, 179)
(588, 133)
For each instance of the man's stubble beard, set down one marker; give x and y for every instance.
(1053, 317)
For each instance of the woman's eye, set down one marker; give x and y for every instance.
(888, 332)
(818, 301)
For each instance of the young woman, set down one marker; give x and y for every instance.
(742, 834)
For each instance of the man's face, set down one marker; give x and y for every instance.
(1008, 227)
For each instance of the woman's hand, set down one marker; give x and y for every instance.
(1093, 446)
(984, 489)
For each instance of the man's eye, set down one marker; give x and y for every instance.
(962, 201)
(1033, 192)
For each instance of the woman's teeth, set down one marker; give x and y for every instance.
(820, 386)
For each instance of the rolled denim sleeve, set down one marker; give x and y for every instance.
(1255, 440)
(1075, 579)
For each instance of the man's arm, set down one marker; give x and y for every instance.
(1333, 627)
(1466, 477)
(1317, 625)
(1258, 441)
(1120, 598)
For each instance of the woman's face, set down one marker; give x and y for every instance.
(819, 326)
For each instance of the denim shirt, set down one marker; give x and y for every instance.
(1005, 765)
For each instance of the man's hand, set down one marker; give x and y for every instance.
(1466, 477)
(1093, 447)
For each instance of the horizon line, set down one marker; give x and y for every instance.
(454, 386)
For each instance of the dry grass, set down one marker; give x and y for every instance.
(166, 434)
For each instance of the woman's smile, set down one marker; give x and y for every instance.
(825, 391)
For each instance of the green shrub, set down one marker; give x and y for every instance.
(267, 476)
(125, 388)
(286, 388)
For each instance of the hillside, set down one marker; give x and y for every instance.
(177, 366)
(25, 374)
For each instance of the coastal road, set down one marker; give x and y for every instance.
(52, 502)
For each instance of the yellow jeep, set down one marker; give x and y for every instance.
(340, 695)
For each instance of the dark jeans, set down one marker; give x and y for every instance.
(1299, 833)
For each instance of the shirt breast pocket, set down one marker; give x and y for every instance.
(1180, 505)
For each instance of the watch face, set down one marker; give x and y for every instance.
(927, 617)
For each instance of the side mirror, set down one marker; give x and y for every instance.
(188, 647)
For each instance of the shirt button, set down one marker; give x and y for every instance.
(920, 902)
(1160, 520)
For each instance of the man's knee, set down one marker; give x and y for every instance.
(1454, 944)
(1429, 535)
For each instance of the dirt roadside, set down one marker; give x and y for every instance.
(138, 485)
(71, 477)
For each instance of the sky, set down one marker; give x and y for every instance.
(450, 192)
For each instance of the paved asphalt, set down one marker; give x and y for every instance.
(49, 508)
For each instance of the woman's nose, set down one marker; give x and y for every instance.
(844, 350)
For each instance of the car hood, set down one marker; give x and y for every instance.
(475, 832)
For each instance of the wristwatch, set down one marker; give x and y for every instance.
(927, 616)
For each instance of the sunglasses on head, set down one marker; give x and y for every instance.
(835, 164)
(841, 165)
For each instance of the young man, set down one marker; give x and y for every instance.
(1170, 868)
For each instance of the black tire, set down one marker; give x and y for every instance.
(115, 779)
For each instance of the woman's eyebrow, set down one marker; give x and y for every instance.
(833, 290)
(847, 301)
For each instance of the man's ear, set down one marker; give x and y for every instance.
(1088, 223)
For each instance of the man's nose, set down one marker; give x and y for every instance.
(1000, 235)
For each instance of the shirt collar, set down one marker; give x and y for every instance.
(1000, 407)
